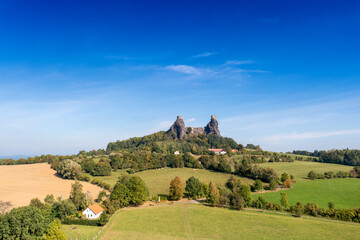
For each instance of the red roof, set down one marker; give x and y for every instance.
(96, 208)
(219, 150)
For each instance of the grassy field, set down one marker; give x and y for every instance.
(300, 169)
(192, 221)
(158, 180)
(345, 193)
(80, 231)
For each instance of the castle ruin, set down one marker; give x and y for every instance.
(180, 130)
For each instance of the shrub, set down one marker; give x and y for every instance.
(69, 169)
(102, 169)
(258, 185)
(287, 183)
(273, 185)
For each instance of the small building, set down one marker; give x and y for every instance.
(222, 151)
(217, 151)
(93, 212)
(176, 152)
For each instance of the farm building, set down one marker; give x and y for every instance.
(93, 212)
(217, 151)
(221, 151)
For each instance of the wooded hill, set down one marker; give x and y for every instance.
(161, 142)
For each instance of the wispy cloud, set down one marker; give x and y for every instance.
(190, 120)
(251, 71)
(237, 62)
(186, 69)
(311, 135)
(205, 54)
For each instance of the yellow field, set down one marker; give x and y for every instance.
(21, 183)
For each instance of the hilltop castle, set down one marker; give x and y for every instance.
(179, 129)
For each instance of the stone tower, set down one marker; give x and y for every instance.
(213, 126)
(178, 128)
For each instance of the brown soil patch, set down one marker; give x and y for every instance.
(21, 183)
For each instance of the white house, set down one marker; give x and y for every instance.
(93, 212)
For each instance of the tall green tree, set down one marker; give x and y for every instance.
(245, 191)
(77, 196)
(64, 208)
(130, 191)
(194, 188)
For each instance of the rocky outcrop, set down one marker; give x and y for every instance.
(212, 126)
(178, 128)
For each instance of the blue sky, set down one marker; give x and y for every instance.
(78, 74)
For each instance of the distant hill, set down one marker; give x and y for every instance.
(196, 140)
(162, 142)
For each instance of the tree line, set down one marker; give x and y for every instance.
(344, 156)
(353, 173)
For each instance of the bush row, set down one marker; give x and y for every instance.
(329, 175)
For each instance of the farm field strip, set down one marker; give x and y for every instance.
(202, 222)
(300, 169)
(344, 192)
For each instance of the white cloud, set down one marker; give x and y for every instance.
(236, 62)
(311, 135)
(205, 54)
(164, 124)
(185, 69)
(190, 120)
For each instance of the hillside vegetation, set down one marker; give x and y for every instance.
(158, 180)
(192, 221)
(161, 142)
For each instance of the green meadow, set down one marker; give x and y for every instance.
(158, 180)
(344, 192)
(300, 169)
(194, 221)
(80, 231)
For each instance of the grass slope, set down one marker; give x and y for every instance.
(81, 232)
(345, 193)
(158, 180)
(300, 169)
(192, 221)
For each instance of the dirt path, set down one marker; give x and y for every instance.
(186, 224)
(21, 183)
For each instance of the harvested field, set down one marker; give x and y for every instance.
(21, 183)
